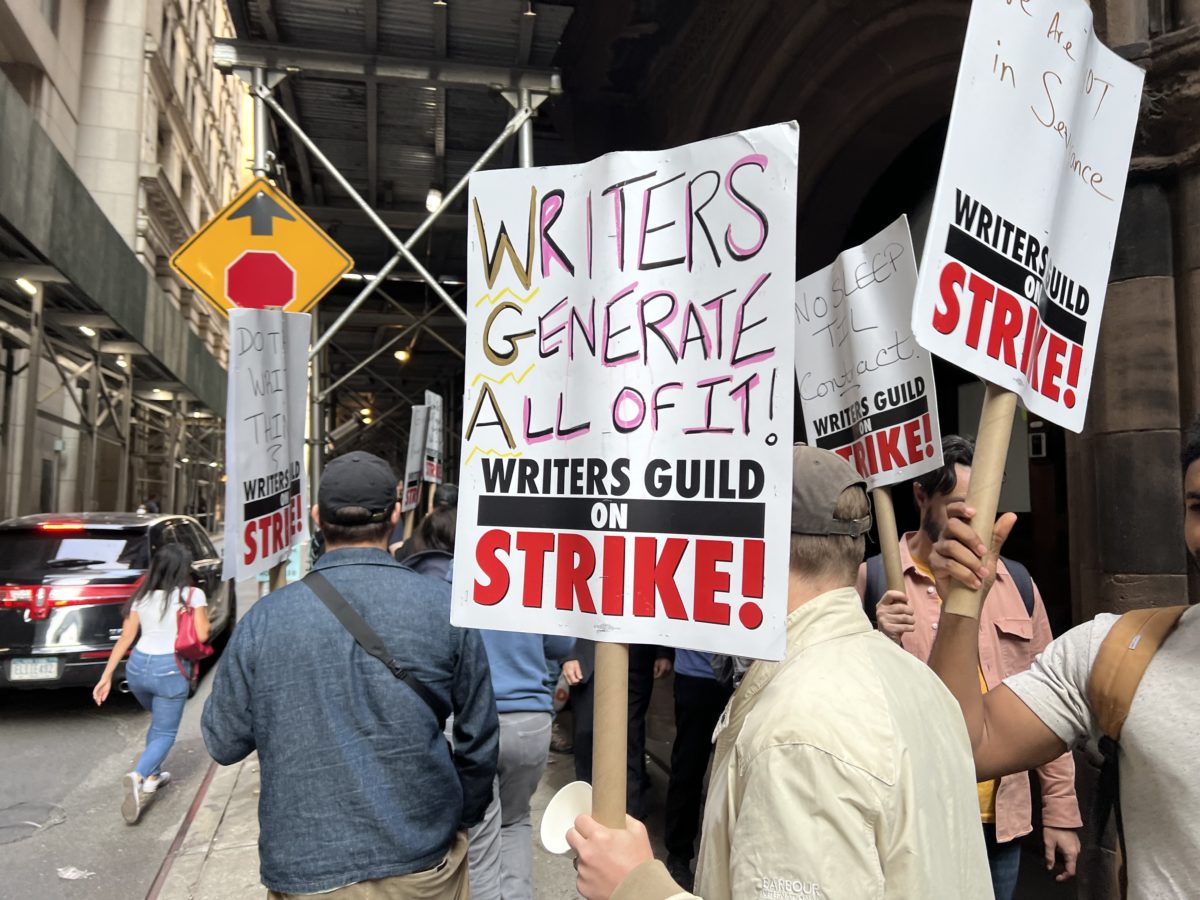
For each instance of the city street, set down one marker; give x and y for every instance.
(60, 791)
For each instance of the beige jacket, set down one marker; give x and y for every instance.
(843, 772)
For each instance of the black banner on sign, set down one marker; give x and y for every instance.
(986, 261)
(1061, 320)
(897, 415)
(265, 506)
(704, 518)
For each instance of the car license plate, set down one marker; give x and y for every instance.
(33, 669)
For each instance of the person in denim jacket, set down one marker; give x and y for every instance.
(358, 782)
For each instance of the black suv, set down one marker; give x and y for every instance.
(63, 579)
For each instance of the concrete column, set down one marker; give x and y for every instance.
(29, 482)
(1126, 504)
(1188, 310)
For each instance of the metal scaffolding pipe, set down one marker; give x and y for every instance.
(342, 181)
(29, 483)
(525, 147)
(230, 53)
(404, 247)
(260, 123)
(401, 335)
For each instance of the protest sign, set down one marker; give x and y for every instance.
(1025, 215)
(866, 387)
(628, 412)
(266, 512)
(414, 461)
(433, 438)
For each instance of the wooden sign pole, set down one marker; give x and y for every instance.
(432, 492)
(610, 734)
(889, 538)
(987, 475)
(278, 576)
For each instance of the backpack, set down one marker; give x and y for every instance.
(877, 584)
(1116, 673)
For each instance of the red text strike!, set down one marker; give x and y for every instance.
(1009, 330)
(890, 448)
(272, 533)
(656, 563)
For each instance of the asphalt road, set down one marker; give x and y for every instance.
(61, 762)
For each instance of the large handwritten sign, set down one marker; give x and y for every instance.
(265, 508)
(1025, 215)
(865, 385)
(628, 411)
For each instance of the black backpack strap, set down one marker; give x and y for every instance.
(1024, 582)
(876, 585)
(371, 642)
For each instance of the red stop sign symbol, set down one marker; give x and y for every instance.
(260, 279)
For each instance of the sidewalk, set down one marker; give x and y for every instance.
(218, 858)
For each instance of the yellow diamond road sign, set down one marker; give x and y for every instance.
(261, 251)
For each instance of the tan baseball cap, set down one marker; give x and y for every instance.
(818, 479)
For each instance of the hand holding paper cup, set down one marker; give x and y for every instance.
(564, 808)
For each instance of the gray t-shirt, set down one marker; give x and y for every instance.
(1160, 767)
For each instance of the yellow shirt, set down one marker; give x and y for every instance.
(987, 789)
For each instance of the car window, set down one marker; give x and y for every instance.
(36, 550)
(195, 540)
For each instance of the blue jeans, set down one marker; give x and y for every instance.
(161, 688)
(1005, 861)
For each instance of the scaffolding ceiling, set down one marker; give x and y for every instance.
(402, 96)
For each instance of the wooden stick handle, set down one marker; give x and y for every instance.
(889, 538)
(610, 730)
(987, 475)
(410, 519)
(278, 576)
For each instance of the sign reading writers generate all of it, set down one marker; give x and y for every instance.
(628, 411)
(1025, 216)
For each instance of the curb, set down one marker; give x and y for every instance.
(164, 870)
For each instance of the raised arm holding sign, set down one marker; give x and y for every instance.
(1023, 223)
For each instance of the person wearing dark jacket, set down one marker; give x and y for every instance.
(358, 781)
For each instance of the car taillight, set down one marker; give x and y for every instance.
(65, 525)
(40, 599)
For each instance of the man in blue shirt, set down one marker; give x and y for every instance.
(358, 782)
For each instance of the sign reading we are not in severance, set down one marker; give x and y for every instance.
(1025, 214)
(628, 411)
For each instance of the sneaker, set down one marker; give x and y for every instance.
(680, 869)
(154, 782)
(131, 806)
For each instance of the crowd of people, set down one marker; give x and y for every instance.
(887, 755)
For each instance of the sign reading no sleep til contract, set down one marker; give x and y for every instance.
(627, 419)
(1025, 215)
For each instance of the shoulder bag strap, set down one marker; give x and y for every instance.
(1024, 582)
(371, 642)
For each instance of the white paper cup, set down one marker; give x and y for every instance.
(564, 808)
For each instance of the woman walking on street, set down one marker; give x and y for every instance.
(155, 675)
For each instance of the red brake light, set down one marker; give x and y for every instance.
(60, 526)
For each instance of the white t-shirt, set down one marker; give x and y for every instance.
(158, 630)
(1160, 779)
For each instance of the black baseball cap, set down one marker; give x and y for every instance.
(818, 479)
(357, 488)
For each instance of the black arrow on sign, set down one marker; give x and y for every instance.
(262, 210)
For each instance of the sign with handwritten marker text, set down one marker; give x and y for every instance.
(1025, 216)
(414, 461)
(266, 512)
(627, 421)
(865, 385)
(433, 438)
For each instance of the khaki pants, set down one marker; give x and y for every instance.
(447, 881)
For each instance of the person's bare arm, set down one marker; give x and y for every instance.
(1006, 736)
